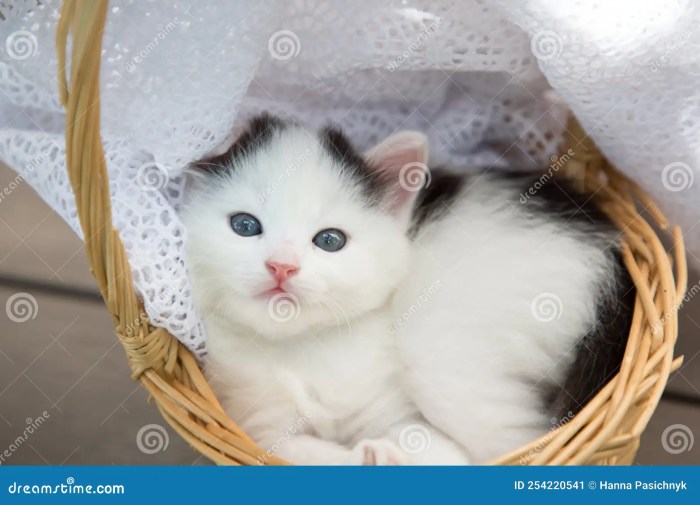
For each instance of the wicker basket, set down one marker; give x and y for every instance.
(606, 431)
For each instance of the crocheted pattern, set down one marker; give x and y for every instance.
(487, 81)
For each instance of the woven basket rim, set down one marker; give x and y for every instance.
(605, 431)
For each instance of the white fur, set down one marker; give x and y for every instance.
(475, 353)
(356, 374)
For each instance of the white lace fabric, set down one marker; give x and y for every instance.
(491, 83)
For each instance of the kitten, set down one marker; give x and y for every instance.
(354, 317)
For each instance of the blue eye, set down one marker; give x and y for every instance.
(246, 225)
(330, 240)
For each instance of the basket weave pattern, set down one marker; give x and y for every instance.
(606, 431)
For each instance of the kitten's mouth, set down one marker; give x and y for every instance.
(272, 292)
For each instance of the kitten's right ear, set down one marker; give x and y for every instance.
(400, 161)
(256, 135)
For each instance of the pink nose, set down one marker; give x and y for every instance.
(281, 271)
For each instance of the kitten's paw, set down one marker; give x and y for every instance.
(379, 452)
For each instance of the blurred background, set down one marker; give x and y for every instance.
(66, 397)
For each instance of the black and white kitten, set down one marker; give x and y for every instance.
(356, 317)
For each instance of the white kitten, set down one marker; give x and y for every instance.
(299, 350)
(309, 261)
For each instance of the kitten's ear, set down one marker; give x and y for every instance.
(401, 160)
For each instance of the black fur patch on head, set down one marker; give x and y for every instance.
(433, 201)
(336, 144)
(258, 135)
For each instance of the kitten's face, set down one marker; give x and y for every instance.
(285, 239)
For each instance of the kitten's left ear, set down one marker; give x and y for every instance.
(401, 161)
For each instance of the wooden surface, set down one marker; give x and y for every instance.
(66, 360)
